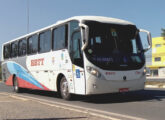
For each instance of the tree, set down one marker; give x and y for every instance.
(163, 32)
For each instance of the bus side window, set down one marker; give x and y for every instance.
(6, 51)
(60, 38)
(22, 47)
(14, 49)
(32, 44)
(45, 41)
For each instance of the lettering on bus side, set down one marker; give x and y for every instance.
(37, 62)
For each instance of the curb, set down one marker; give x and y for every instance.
(154, 86)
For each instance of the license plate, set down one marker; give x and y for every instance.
(123, 89)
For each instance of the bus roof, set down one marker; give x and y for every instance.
(99, 19)
(78, 18)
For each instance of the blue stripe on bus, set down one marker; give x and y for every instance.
(21, 72)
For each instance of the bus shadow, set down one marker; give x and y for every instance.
(40, 93)
(144, 95)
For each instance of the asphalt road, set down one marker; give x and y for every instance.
(147, 104)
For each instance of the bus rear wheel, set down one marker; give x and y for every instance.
(17, 89)
(64, 89)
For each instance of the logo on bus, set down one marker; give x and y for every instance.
(37, 62)
(110, 73)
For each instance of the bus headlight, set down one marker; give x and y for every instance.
(93, 71)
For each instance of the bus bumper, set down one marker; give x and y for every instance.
(100, 86)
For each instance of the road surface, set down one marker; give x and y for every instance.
(147, 104)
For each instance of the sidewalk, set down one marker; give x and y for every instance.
(15, 108)
(155, 82)
(155, 77)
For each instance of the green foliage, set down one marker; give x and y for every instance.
(163, 32)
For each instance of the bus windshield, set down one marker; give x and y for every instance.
(114, 47)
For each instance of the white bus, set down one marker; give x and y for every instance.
(82, 55)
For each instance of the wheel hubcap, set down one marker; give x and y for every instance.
(65, 88)
(15, 85)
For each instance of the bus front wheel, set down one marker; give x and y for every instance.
(64, 89)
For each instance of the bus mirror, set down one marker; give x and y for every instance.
(84, 35)
(149, 39)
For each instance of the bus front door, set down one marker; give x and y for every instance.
(77, 60)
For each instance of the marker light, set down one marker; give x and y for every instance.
(93, 71)
(145, 71)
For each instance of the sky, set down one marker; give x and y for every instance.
(146, 14)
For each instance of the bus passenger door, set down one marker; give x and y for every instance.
(77, 63)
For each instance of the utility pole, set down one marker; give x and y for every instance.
(27, 16)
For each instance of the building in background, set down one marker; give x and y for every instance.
(157, 67)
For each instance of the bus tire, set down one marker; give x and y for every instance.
(17, 89)
(64, 89)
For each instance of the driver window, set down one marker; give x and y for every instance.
(76, 52)
(76, 46)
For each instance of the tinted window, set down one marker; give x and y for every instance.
(73, 26)
(158, 59)
(114, 47)
(45, 41)
(33, 44)
(158, 45)
(76, 53)
(6, 51)
(14, 49)
(59, 38)
(22, 47)
(75, 44)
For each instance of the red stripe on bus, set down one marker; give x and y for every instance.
(24, 84)
(9, 81)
